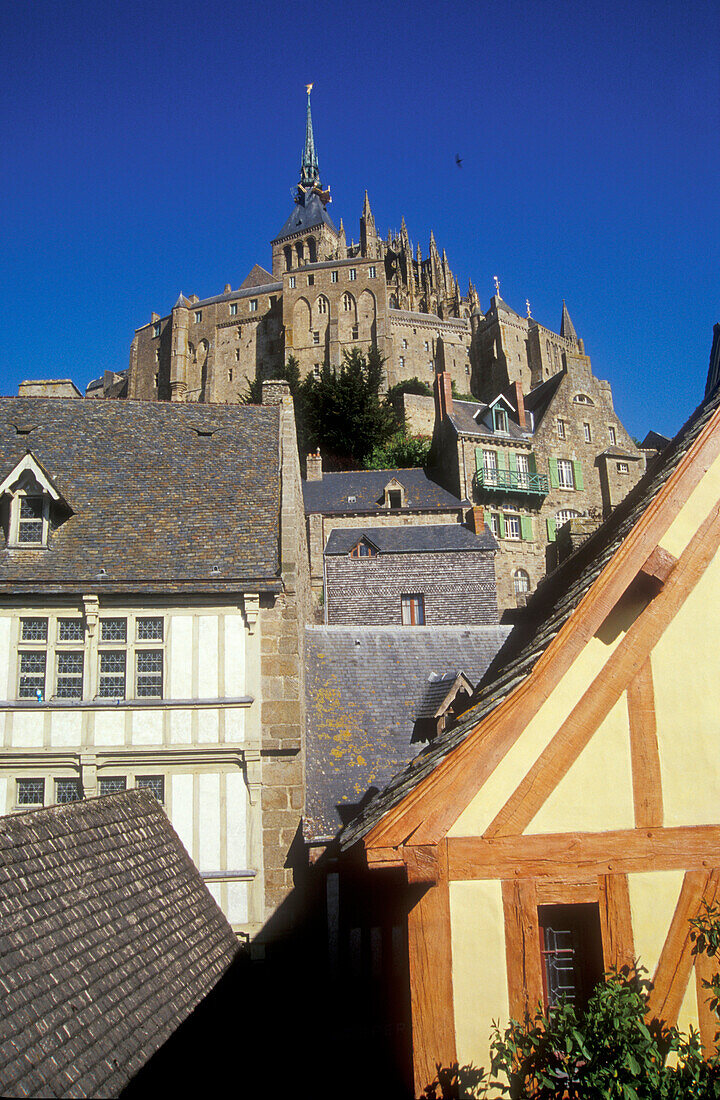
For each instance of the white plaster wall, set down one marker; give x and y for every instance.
(109, 728)
(7, 689)
(27, 730)
(65, 728)
(180, 643)
(180, 727)
(208, 727)
(182, 809)
(234, 655)
(234, 725)
(208, 651)
(209, 822)
(147, 727)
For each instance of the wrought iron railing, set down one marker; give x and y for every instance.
(511, 481)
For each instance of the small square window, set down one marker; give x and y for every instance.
(156, 328)
(291, 282)
(69, 680)
(404, 343)
(253, 305)
(113, 630)
(355, 332)
(587, 433)
(233, 309)
(561, 429)
(32, 675)
(333, 276)
(71, 630)
(112, 784)
(316, 337)
(153, 783)
(613, 436)
(67, 790)
(33, 630)
(311, 280)
(198, 316)
(150, 629)
(512, 527)
(30, 792)
(623, 468)
(30, 522)
(149, 669)
(372, 272)
(352, 274)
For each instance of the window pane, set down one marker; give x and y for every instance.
(70, 630)
(412, 610)
(67, 790)
(112, 675)
(148, 666)
(153, 783)
(112, 784)
(69, 683)
(113, 630)
(565, 474)
(34, 630)
(30, 527)
(150, 630)
(30, 792)
(32, 675)
(512, 527)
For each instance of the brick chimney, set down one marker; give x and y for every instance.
(443, 395)
(314, 467)
(476, 519)
(518, 400)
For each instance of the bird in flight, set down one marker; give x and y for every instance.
(458, 161)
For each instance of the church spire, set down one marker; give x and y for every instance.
(567, 329)
(309, 170)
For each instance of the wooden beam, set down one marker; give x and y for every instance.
(659, 565)
(383, 857)
(570, 857)
(421, 863)
(436, 802)
(522, 948)
(620, 668)
(616, 921)
(675, 964)
(431, 988)
(644, 752)
(705, 969)
(552, 892)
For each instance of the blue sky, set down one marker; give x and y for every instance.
(151, 148)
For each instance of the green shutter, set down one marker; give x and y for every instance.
(501, 519)
(526, 528)
(478, 459)
(551, 528)
(502, 460)
(554, 480)
(512, 462)
(577, 474)
(532, 464)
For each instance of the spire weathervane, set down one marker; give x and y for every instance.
(527, 306)
(309, 170)
(497, 285)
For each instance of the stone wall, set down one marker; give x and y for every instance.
(457, 588)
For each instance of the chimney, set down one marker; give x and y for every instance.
(476, 519)
(519, 402)
(314, 467)
(443, 395)
(154, 317)
(275, 392)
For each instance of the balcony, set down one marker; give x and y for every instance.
(511, 481)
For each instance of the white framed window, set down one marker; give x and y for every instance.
(564, 515)
(333, 276)
(623, 468)
(253, 305)
(316, 337)
(33, 665)
(613, 435)
(291, 282)
(372, 272)
(402, 362)
(30, 792)
(490, 467)
(156, 328)
(404, 343)
(32, 516)
(561, 429)
(426, 345)
(119, 658)
(67, 790)
(587, 433)
(355, 332)
(153, 783)
(500, 419)
(583, 399)
(348, 302)
(352, 274)
(112, 784)
(412, 608)
(495, 524)
(512, 526)
(198, 316)
(233, 309)
(565, 474)
(70, 665)
(322, 304)
(521, 582)
(523, 471)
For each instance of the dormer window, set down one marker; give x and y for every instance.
(500, 420)
(395, 498)
(29, 493)
(394, 495)
(363, 550)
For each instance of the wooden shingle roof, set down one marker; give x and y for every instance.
(109, 940)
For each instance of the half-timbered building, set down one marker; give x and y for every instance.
(570, 821)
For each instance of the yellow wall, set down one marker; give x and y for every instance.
(478, 967)
(696, 508)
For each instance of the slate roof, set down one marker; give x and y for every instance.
(365, 686)
(463, 418)
(110, 940)
(306, 216)
(257, 276)
(426, 538)
(155, 502)
(368, 487)
(548, 609)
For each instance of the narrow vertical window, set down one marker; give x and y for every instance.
(413, 610)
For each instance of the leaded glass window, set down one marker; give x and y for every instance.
(67, 790)
(149, 665)
(32, 674)
(112, 674)
(153, 783)
(30, 523)
(112, 784)
(69, 683)
(30, 792)
(70, 630)
(33, 630)
(150, 630)
(113, 630)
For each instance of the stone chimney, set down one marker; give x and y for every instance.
(515, 396)
(476, 519)
(275, 392)
(443, 396)
(314, 467)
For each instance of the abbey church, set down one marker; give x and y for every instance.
(325, 295)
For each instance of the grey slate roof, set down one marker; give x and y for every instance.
(414, 539)
(110, 940)
(548, 608)
(463, 418)
(155, 502)
(306, 216)
(368, 486)
(365, 687)
(257, 276)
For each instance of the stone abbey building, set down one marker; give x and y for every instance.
(325, 295)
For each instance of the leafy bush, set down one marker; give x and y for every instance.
(402, 451)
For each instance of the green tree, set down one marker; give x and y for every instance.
(400, 451)
(290, 373)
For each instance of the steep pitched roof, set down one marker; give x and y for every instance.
(306, 215)
(465, 419)
(567, 328)
(163, 495)
(416, 539)
(257, 276)
(365, 687)
(110, 939)
(550, 607)
(368, 486)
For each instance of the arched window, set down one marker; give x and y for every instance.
(564, 515)
(288, 256)
(322, 304)
(583, 399)
(348, 302)
(521, 582)
(300, 252)
(312, 249)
